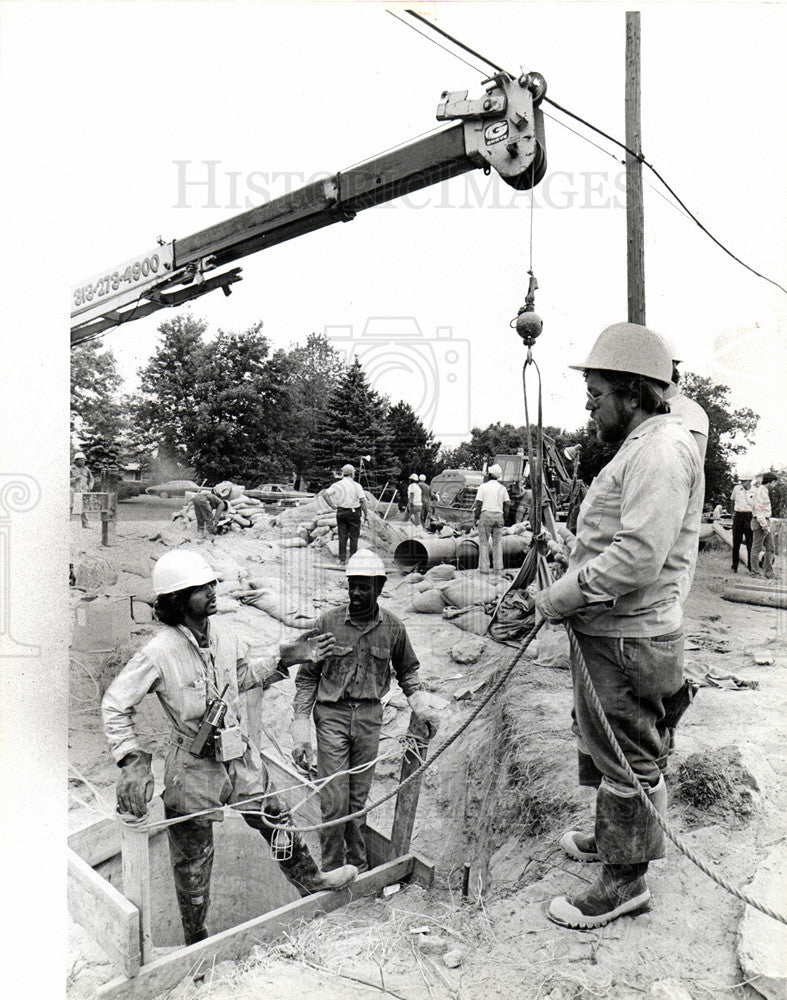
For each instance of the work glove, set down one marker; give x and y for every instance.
(302, 749)
(135, 788)
(307, 650)
(424, 712)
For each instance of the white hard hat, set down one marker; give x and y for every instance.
(348, 470)
(495, 471)
(365, 563)
(79, 454)
(422, 479)
(414, 477)
(630, 348)
(178, 569)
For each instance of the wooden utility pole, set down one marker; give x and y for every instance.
(635, 209)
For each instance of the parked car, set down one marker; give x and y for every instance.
(174, 488)
(279, 493)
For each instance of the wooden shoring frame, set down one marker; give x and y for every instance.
(120, 922)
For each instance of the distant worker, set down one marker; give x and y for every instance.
(742, 512)
(426, 501)
(207, 506)
(762, 533)
(415, 499)
(629, 572)
(489, 513)
(343, 691)
(82, 481)
(192, 665)
(690, 411)
(349, 501)
(718, 513)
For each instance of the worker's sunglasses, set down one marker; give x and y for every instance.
(595, 398)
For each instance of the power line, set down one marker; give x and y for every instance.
(606, 135)
(435, 42)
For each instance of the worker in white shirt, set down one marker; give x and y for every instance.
(415, 499)
(489, 512)
(761, 525)
(690, 411)
(349, 501)
(742, 508)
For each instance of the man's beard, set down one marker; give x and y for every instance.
(615, 433)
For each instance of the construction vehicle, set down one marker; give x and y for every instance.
(502, 129)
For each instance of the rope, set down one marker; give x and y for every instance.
(360, 813)
(637, 785)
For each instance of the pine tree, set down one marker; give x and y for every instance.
(354, 425)
(413, 448)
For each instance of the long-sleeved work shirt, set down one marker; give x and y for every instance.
(361, 663)
(186, 678)
(761, 505)
(633, 561)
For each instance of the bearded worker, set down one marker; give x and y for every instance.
(629, 573)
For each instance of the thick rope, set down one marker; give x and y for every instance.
(637, 785)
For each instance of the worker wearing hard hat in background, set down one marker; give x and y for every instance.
(629, 572)
(349, 501)
(742, 502)
(689, 410)
(426, 500)
(415, 499)
(489, 513)
(81, 481)
(191, 664)
(343, 692)
(762, 540)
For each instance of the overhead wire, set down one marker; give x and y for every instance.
(637, 156)
(434, 41)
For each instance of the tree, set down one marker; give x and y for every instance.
(354, 425)
(170, 387)
(498, 439)
(413, 448)
(729, 434)
(97, 417)
(316, 368)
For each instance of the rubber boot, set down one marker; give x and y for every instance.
(300, 869)
(191, 851)
(620, 889)
(626, 833)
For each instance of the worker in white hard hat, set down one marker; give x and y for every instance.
(194, 665)
(414, 499)
(82, 481)
(689, 410)
(490, 510)
(426, 500)
(343, 692)
(348, 499)
(629, 573)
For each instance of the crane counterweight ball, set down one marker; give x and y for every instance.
(529, 326)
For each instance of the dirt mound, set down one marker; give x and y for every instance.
(716, 787)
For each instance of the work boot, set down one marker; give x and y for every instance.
(580, 846)
(620, 889)
(338, 878)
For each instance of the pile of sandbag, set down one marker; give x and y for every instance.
(315, 524)
(241, 512)
(464, 598)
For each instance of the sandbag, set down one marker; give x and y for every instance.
(441, 572)
(286, 608)
(467, 650)
(472, 619)
(552, 648)
(93, 571)
(227, 490)
(293, 543)
(428, 602)
(468, 590)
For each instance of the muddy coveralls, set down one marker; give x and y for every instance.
(629, 573)
(344, 691)
(186, 678)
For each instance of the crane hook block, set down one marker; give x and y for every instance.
(528, 325)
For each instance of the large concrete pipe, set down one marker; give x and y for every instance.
(514, 548)
(421, 553)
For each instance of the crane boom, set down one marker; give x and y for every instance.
(503, 129)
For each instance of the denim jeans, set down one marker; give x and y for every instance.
(348, 735)
(490, 524)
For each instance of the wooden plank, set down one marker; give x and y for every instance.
(166, 972)
(285, 776)
(96, 841)
(135, 859)
(378, 846)
(423, 870)
(106, 914)
(407, 797)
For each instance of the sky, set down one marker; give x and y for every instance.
(102, 104)
(273, 96)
